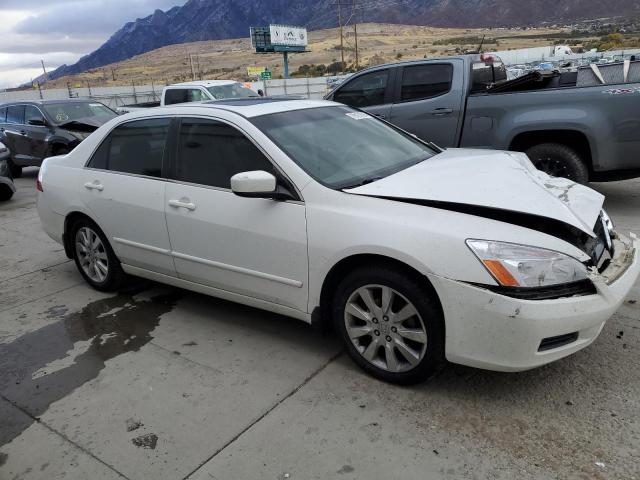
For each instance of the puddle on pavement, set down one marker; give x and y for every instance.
(48, 364)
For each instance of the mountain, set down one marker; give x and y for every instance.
(220, 19)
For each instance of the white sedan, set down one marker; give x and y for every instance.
(323, 213)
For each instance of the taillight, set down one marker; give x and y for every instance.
(40, 176)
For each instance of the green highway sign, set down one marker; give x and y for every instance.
(266, 75)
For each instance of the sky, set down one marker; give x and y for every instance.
(60, 31)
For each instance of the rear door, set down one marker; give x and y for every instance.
(249, 246)
(37, 134)
(124, 188)
(428, 101)
(370, 91)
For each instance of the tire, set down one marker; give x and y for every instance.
(97, 263)
(559, 161)
(386, 360)
(5, 193)
(15, 170)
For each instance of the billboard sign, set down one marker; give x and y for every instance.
(286, 35)
(255, 71)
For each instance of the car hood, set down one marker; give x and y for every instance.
(500, 181)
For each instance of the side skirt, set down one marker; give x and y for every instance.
(217, 292)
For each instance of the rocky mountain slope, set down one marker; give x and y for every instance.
(221, 19)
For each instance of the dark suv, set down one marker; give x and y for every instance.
(35, 130)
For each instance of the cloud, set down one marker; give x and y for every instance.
(89, 16)
(61, 31)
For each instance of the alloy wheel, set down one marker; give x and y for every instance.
(92, 255)
(385, 328)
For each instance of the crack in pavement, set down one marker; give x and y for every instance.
(264, 415)
(63, 436)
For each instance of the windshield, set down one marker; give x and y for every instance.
(70, 111)
(341, 147)
(234, 90)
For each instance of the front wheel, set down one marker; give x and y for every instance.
(95, 258)
(559, 161)
(391, 323)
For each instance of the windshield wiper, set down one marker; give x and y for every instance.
(362, 182)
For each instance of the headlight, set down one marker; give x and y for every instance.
(514, 265)
(606, 219)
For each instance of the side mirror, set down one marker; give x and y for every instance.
(259, 184)
(37, 122)
(260, 92)
(256, 184)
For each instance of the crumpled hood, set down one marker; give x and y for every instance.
(86, 124)
(492, 179)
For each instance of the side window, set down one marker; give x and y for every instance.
(32, 113)
(175, 95)
(364, 91)
(15, 114)
(211, 152)
(426, 81)
(196, 96)
(135, 147)
(3, 115)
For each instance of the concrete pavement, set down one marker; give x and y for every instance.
(160, 383)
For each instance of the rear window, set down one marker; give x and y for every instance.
(486, 73)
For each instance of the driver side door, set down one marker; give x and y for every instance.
(253, 247)
(371, 92)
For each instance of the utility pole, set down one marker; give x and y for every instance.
(193, 72)
(341, 41)
(355, 31)
(46, 76)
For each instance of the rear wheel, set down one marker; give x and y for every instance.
(94, 257)
(391, 323)
(559, 161)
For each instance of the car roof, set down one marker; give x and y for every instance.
(249, 107)
(204, 83)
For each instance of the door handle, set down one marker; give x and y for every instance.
(96, 185)
(441, 111)
(182, 203)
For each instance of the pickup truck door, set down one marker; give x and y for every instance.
(370, 91)
(428, 101)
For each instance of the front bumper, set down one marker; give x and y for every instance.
(491, 331)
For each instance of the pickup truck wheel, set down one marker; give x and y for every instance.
(391, 324)
(16, 170)
(559, 161)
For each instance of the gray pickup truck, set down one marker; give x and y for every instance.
(585, 133)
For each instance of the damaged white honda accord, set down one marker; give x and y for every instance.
(323, 213)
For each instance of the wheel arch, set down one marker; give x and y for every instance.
(573, 139)
(320, 316)
(69, 220)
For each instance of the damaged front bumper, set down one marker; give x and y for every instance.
(485, 329)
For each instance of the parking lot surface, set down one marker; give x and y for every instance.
(161, 383)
